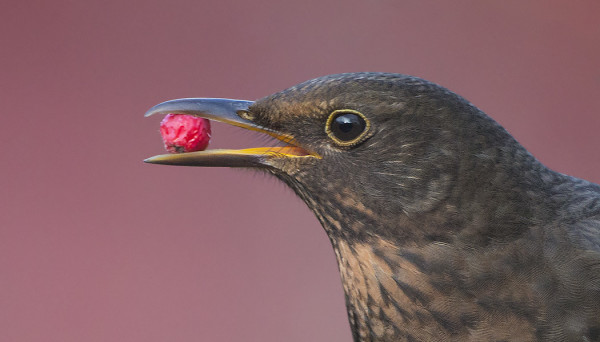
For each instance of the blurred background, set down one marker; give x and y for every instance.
(95, 245)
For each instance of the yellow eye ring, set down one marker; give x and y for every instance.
(347, 127)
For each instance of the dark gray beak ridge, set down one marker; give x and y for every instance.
(224, 110)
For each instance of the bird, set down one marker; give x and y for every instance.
(444, 227)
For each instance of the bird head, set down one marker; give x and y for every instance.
(363, 150)
(440, 221)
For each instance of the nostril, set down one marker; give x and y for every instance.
(246, 115)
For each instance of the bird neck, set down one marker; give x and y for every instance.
(392, 294)
(399, 268)
(385, 284)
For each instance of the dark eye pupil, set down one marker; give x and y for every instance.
(347, 126)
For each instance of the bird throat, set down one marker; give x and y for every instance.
(418, 291)
(385, 285)
(373, 297)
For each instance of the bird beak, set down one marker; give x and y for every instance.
(227, 111)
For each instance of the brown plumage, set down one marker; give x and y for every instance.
(445, 228)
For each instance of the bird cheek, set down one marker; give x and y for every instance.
(289, 167)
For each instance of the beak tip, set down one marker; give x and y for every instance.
(151, 160)
(150, 112)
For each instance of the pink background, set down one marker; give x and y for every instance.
(97, 246)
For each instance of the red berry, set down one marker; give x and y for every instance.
(185, 133)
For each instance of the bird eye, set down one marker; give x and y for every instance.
(346, 127)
